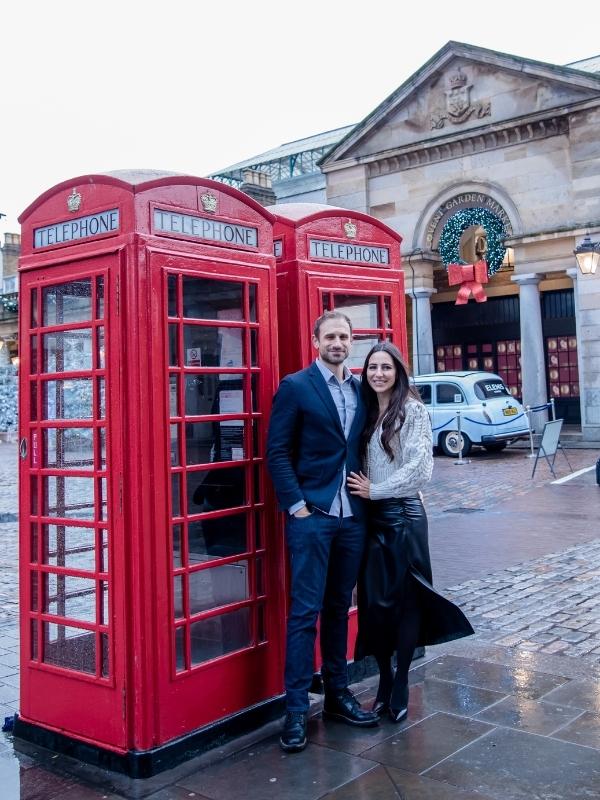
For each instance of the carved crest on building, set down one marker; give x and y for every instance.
(459, 107)
(74, 200)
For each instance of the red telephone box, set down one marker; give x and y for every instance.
(329, 258)
(151, 569)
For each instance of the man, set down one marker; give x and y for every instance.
(313, 444)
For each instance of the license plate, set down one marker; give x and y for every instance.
(509, 412)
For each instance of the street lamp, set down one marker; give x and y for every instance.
(588, 256)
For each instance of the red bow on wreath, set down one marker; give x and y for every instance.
(470, 277)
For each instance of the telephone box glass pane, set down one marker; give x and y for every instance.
(73, 648)
(173, 352)
(67, 302)
(174, 445)
(218, 586)
(34, 309)
(206, 346)
(252, 299)
(217, 538)
(172, 292)
(100, 358)
(100, 298)
(67, 351)
(70, 596)
(34, 353)
(105, 646)
(214, 394)
(362, 310)
(68, 546)
(67, 399)
(178, 596)
(176, 494)
(173, 404)
(177, 554)
(179, 649)
(72, 498)
(362, 344)
(220, 635)
(69, 448)
(209, 298)
(206, 442)
(216, 489)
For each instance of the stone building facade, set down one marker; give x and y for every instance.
(483, 147)
(9, 259)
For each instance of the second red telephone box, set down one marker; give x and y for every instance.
(332, 259)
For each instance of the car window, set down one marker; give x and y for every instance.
(448, 393)
(424, 390)
(492, 388)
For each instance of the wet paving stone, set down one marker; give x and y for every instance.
(519, 681)
(419, 746)
(342, 737)
(579, 694)
(584, 730)
(533, 716)
(178, 793)
(35, 783)
(375, 785)
(455, 698)
(512, 765)
(265, 773)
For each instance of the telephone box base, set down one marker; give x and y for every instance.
(146, 763)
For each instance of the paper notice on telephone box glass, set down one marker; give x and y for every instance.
(231, 341)
(194, 357)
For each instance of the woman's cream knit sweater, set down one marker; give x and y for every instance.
(412, 465)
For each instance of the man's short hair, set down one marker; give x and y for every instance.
(330, 315)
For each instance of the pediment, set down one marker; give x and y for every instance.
(461, 89)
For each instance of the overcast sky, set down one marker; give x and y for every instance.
(195, 86)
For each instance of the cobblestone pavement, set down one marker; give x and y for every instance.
(510, 713)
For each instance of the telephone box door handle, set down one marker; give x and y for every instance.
(23, 448)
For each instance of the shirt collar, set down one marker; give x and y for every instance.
(328, 374)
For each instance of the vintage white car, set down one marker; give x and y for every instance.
(490, 415)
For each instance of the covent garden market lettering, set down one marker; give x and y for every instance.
(468, 200)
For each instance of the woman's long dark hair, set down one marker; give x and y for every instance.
(401, 392)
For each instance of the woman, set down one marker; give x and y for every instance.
(398, 608)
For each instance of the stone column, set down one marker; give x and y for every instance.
(586, 294)
(423, 360)
(533, 368)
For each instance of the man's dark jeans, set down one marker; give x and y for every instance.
(325, 554)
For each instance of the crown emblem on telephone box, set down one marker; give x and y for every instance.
(209, 202)
(350, 229)
(74, 201)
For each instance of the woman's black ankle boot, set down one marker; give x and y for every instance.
(399, 703)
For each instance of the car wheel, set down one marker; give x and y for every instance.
(450, 443)
(495, 447)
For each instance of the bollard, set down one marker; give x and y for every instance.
(553, 409)
(598, 472)
(531, 454)
(461, 460)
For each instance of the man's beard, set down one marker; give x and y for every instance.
(334, 358)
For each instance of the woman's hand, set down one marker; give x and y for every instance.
(359, 484)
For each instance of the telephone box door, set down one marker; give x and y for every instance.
(224, 631)
(70, 555)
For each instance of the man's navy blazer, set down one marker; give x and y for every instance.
(306, 446)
